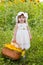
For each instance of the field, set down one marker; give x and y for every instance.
(8, 12)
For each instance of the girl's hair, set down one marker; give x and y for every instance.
(19, 17)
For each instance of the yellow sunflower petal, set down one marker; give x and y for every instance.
(12, 47)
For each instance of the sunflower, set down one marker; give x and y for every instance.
(12, 47)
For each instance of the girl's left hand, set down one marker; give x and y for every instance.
(30, 37)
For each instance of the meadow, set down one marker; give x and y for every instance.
(8, 12)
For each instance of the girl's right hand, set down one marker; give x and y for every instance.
(13, 42)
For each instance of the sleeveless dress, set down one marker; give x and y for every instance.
(22, 36)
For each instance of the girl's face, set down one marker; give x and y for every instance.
(21, 18)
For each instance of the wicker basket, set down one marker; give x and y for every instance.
(10, 53)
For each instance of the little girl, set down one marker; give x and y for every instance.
(22, 33)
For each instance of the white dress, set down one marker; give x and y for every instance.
(22, 36)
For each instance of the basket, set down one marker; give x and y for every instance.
(12, 52)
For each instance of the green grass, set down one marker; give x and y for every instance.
(34, 55)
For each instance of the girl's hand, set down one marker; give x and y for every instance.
(30, 37)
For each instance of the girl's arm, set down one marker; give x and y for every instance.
(29, 32)
(14, 36)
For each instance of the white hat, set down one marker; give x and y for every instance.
(20, 13)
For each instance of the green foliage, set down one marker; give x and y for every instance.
(8, 12)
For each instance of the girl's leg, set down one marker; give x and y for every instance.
(23, 56)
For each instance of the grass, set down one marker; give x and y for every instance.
(34, 55)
